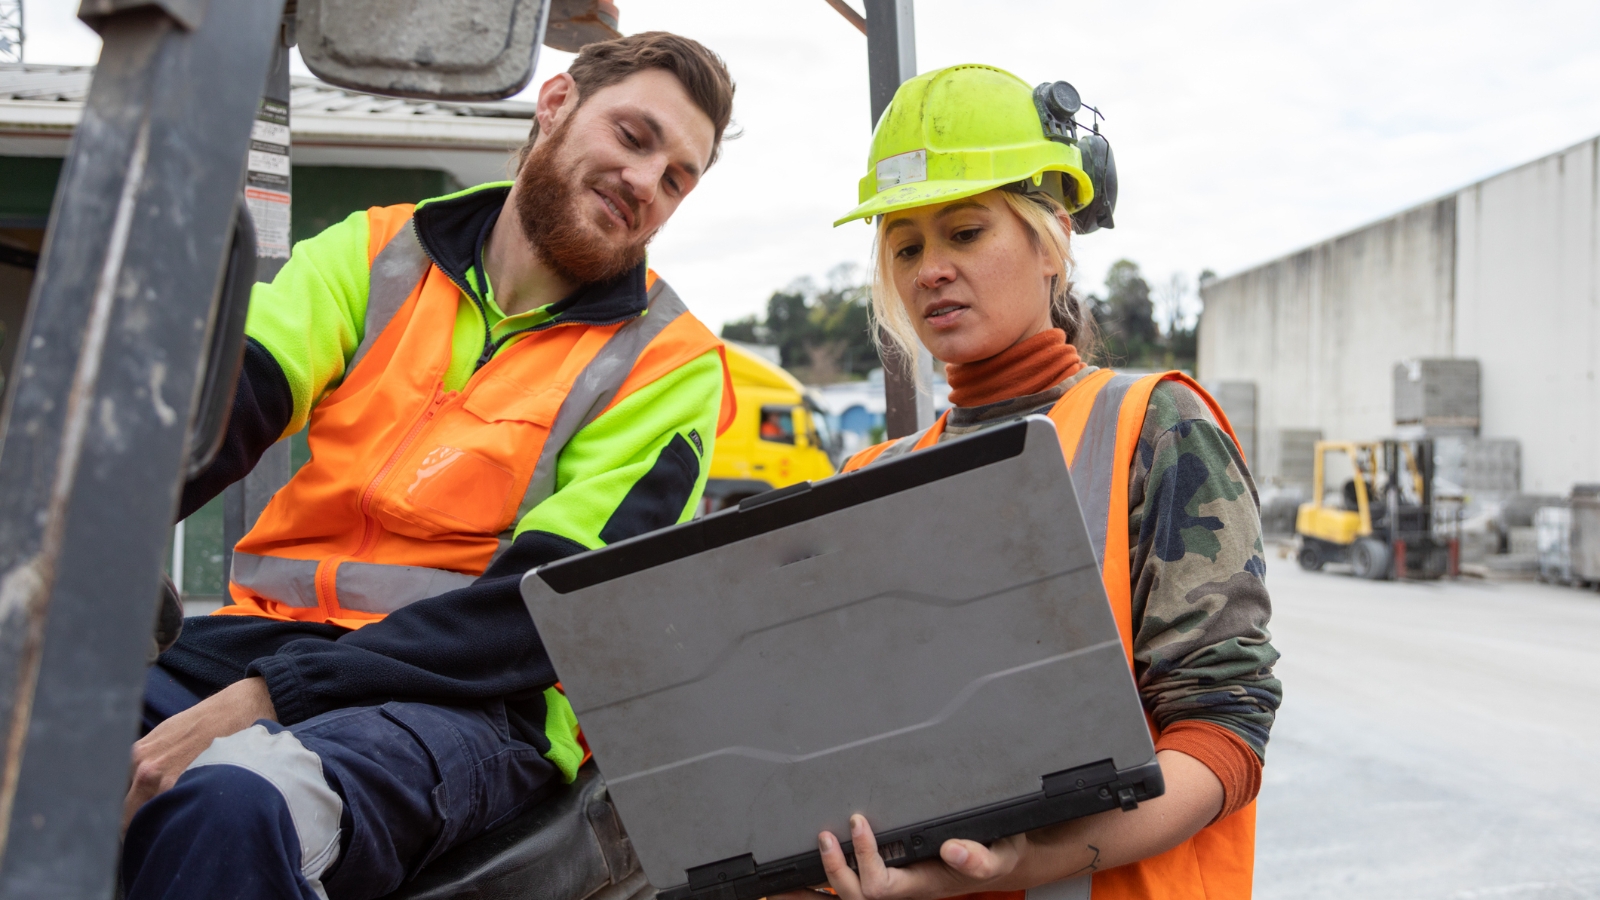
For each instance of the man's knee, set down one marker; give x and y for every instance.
(253, 806)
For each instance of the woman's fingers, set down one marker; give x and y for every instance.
(973, 860)
(843, 881)
(962, 867)
(869, 865)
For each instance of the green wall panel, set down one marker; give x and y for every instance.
(324, 195)
(27, 188)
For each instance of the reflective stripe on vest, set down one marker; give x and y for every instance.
(365, 587)
(597, 386)
(1093, 466)
(395, 273)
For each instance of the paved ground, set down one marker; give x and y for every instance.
(1436, 741)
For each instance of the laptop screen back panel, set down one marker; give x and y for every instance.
(936, 650)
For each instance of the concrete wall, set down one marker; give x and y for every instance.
(1506, 271)
(1528, 307)
(1319, 330)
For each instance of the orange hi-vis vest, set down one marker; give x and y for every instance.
(411, 489)
(1099, 421)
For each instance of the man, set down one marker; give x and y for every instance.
(492, 381)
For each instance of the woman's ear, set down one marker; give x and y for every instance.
(557, 98)
(1065, 218)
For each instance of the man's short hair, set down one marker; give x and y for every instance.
(703, 74)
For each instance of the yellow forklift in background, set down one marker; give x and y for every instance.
(1372, 507)
(778, 438)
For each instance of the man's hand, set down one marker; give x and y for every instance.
(963, 867)
(162, 755)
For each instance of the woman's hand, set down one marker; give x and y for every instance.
(963, 867)
(1070, 850)
(162, 755)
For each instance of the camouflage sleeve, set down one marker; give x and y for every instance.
(1200, 606)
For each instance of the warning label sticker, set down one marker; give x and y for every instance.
(267, 179)
(270, 212)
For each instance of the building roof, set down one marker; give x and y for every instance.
(45, 84)
(40, 106)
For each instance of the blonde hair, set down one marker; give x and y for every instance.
(895, 336)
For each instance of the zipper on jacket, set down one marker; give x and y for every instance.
(490, 345)
(465, 288)
(483, 289)
(368, 532)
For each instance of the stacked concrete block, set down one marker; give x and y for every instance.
(1435, 397)
(1477, 467)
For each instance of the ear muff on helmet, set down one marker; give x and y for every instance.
(1058, 104)
(1102, 169)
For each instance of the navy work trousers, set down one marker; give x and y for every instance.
(347, 805)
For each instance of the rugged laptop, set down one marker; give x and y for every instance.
(926, 641)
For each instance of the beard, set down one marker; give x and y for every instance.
(580, 246)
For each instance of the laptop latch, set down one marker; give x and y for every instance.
(1081, 778)
(722, 872)
(1126, 799)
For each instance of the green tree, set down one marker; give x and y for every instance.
(1126, 316)
(821, 332)
(1144, 328)
(748, 330)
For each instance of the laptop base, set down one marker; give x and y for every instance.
(1072, 794)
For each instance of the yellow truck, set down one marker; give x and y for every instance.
(777, 439)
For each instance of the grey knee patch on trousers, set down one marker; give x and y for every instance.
(1066, 889)
(296, 772)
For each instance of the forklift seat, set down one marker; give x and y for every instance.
(571, 847)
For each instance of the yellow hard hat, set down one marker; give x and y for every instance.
(963, 130)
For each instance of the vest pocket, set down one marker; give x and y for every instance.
(462, 485)
(466, 473)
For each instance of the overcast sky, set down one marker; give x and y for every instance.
(1243, 130)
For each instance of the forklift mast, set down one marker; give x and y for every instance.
(131, 346)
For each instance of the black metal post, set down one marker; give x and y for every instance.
(268, 190)
(95, 439)
(891, 59)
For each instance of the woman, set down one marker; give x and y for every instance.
(973, 261)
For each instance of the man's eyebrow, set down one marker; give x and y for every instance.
(654, 124)
(651, 123)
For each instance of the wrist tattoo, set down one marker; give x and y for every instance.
(1093, 866)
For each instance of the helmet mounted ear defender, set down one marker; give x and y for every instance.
(1058, 106)
(964, 130)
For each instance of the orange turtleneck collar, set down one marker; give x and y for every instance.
(1026, 367)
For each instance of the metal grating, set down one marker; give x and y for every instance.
(12, 34)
